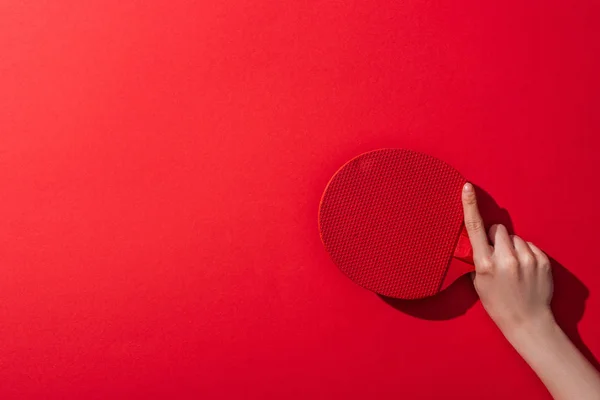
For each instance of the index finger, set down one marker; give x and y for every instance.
(474, 224)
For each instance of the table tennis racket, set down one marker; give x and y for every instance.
(392, 221)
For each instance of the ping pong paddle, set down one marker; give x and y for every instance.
(392, 221)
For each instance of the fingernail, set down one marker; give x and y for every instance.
(468, 188)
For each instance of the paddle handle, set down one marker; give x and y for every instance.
(462, 260)
(464, 250)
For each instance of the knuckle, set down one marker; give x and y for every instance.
(474, 225)
(484, 264)
(528, 260)
(545, 265)
(509, 261)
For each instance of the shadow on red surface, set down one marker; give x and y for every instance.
(568, 304)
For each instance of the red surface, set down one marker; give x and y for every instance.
(161, 165)
(391, 220)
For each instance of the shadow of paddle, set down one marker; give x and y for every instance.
(568, 303)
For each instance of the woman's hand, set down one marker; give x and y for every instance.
(513, 277)
(514, 281)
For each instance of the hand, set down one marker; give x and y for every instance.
(513, 277)
(514, 282)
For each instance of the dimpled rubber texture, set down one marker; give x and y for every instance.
(390, 220)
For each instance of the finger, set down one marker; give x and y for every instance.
(501, 240)
(474, 224)
(541, 257)
(524, 253)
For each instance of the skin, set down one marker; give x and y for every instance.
(514, 281)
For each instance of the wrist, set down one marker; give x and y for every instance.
(539, 331)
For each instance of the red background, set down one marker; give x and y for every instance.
(161, 164)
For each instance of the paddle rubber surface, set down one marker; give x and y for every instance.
(390, 220)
